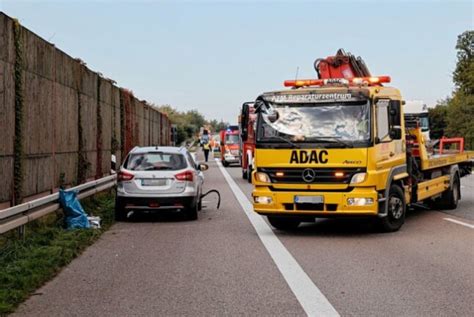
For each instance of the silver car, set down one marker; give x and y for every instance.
(159, 178)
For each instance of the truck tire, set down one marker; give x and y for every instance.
(120, 212)
(396, 210)
(284, 223)
(192, 212)
(450, 198)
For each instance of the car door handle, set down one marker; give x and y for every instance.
(392, 154)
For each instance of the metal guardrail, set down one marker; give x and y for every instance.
(17, 216)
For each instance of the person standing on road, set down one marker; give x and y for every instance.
(206, 147)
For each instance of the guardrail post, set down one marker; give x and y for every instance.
(21, 232)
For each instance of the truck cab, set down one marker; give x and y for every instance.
(230, 145)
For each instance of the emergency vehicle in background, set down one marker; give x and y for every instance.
(340, 147)
(230, 148)
(247, 139)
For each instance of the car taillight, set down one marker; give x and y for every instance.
(185, 176)
(124, 176)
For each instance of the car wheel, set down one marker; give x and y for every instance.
(192, 212)
(396, 210)
(120, 212)
(284, 223)
(225, 163)
(450, 198)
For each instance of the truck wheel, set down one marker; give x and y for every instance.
(120, 212)
(396, 210)
(249, 173)
(283, 223)
(192, 212)
(450, 198)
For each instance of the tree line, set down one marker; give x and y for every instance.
(454, 115)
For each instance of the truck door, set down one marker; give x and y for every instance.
(389, 134)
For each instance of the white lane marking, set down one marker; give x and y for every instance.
(308, 294)
(460, 222)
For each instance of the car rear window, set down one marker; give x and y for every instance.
(155, 161)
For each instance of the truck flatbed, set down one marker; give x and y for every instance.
(432, 161)
(441, 160)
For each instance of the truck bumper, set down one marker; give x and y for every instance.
(334, 203)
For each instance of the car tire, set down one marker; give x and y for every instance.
(395, 217)
(284, 223)
(120, 212)
(192, 212)
(450, 198)
(225, 163)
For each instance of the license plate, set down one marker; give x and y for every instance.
(153, 182)
(309, 199)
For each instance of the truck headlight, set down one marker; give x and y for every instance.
(360, 201)
(263, 200)
(358, 178)
(262, 177)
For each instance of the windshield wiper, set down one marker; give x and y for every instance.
(286, 140)
(333, 139)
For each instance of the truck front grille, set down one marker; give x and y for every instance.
(321, 175)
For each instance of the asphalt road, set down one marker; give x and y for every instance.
(162, 265)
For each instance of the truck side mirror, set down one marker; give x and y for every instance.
(395, 133)
(272, 116)
(244, 121)
(394, 112)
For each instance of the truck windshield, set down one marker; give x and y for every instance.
(342, 123)
(232, 139)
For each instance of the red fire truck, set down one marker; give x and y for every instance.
(230, 145)
(247, 137)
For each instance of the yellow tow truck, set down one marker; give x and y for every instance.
(341, 147)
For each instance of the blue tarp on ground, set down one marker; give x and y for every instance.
(75, 216)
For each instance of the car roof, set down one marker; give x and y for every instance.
(167, 149)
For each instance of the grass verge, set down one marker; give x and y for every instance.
(27, 264)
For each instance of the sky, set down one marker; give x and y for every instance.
(214, 55)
